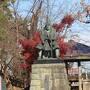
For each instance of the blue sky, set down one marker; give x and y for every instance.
(23, 7)
(78, 28)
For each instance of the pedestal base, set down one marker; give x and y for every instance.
(50, 76)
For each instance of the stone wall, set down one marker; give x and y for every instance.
(49, 77)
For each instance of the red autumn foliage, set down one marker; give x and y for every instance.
(31, 43)
(37, 37)
(67, 20)
(58, 27)
(29, 55)
(24, 66)
(30, 52)
(63, 46)
(28, 43)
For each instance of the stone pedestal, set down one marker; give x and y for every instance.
(50, 76)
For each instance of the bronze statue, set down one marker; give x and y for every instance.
(49, 46)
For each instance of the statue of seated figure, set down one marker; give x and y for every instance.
(49, 47)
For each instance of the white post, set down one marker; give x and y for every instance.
(80, 78)
(0, 83)
(86, 75)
